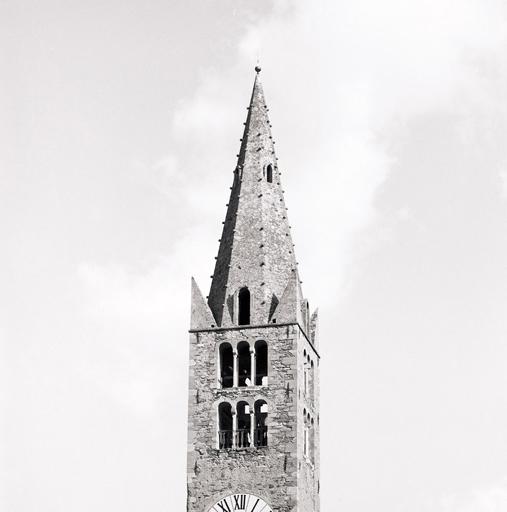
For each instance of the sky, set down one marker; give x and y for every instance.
(120, 122)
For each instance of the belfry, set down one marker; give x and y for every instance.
(253, 406)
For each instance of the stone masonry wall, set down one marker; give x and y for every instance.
(277, 473)
(308, 405)
(269, 472)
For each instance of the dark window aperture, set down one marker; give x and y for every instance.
(261, 363)
(243, 426)
(244, 364)
(269, 173)
(226, 366)
(244, 306)
(224, 425)
(261, 428)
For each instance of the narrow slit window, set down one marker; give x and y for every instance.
(244, 306)
(312, 441)
(269, 173)
(312, 381)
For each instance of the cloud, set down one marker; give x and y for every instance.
(343, 81)
(492, 498)
(137, 321)
(503, 178)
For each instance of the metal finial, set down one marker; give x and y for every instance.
(258, 65)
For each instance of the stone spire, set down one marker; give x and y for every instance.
(256, 249)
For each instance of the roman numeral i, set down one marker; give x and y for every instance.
(253, 508)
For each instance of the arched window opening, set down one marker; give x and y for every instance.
(244, 364)
(307, 439)
(243, 426)
(224, 425)
(226, 366)
(312, 381)
(261, 428)
(261, 363)
(312, 369)
(269, 173)
(244, 306)
(312, 441)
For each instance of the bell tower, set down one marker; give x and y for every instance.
(253, 407)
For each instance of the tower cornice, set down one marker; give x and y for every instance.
(259, 326)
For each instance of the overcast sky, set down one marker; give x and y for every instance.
(119, 126)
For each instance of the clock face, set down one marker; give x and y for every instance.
(241, 503)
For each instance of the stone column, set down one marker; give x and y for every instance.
(235, 368)
(253, 366)
(252, 427)
(234, 427)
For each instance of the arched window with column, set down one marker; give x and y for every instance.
(244, 306)
(226, 362)
(243, 427)
(261, 427)
(261, 363)
(244, 364)
(225, 425)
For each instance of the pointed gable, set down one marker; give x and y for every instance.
(200, 315)
(314, 329)
(289, 307)
(256, 249)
